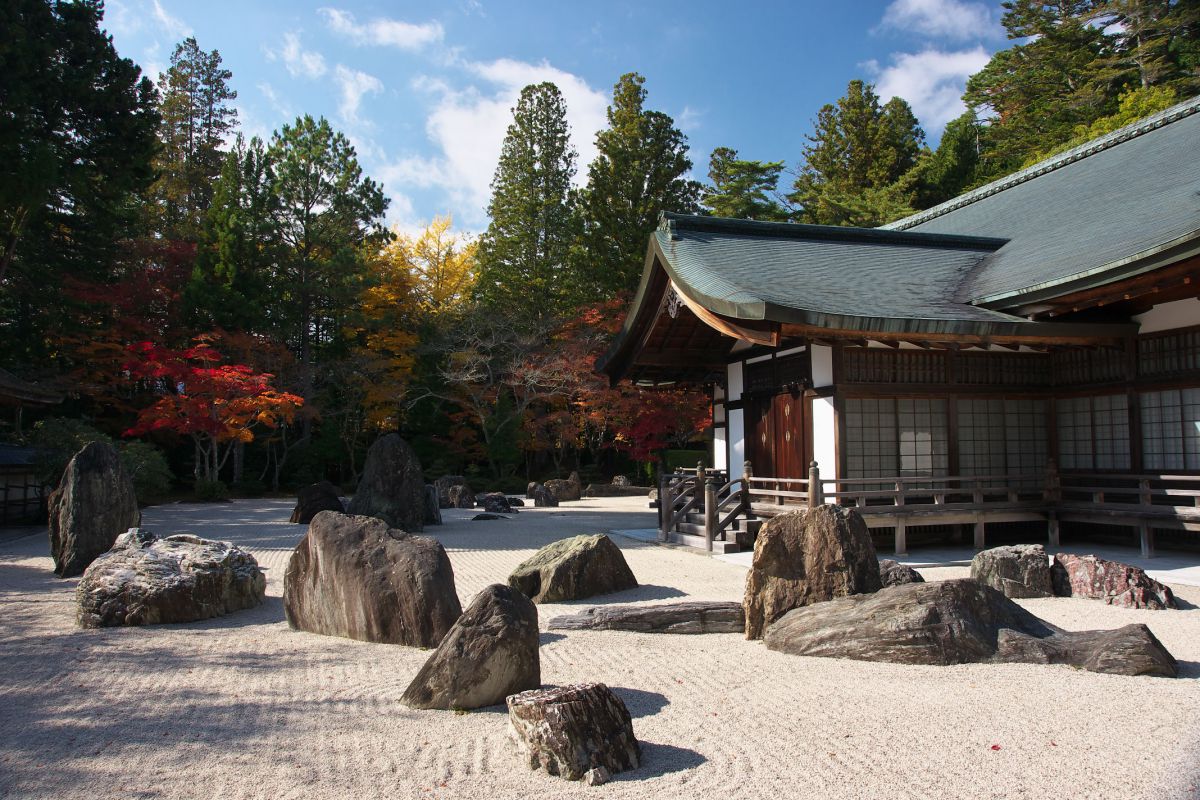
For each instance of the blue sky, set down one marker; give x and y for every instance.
(425, 90)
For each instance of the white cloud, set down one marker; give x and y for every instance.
(383, 31)
(932, 82)
(467, 126)
(954, 20)
(299, 62)
(689, 119)
(278, 104)
(172, 26)
(353, 85)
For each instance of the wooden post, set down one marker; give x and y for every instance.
(1146, 537)
(710, 512)
(747, 474)
(701, 476)
(666, 508)
(1052, 495)
(901, 538)
(980, 527)
(816, 494)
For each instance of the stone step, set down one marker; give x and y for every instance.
(697, 541)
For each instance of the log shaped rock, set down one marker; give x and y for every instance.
(574, 568)
(489, 653)
(1021, 570)
(433, 509)
(355, 577)
(1111, 581)
(443, 485)
(570, 730)
(808, 557)
(461, 496)
(94, 504)
(312, 500)
(145, 580)
(688, 617)
(392, 487)
(893, 573)
(956, 622)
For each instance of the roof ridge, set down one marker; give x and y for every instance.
(1077, 153)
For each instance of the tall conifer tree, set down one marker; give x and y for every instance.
(743, 189)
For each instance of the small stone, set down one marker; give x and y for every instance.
(570, 730)
(487, 517)
(596, 776)
(893, 573)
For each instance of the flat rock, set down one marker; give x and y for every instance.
(94, 504)
(808, 557)
(956, 622)
(356, 577)
(1111, 581)
(312, 500)
(893, 573)
(487, 517)
(574, 568)
(392, 487)
(1021, 570)
(145, 580)
(489, 653)
(571, 730)
(687, 617)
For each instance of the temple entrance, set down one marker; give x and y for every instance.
(779, 443)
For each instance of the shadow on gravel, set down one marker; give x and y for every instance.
(641, 703)
(661, 759)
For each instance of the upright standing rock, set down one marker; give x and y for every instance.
(540, 496)
(93, 505)
(461, 496)
(392, 487)
(572, 730)
(808, 557)
(433, 509)
(1020, 570)
(1111, 581)
(356, 577)
(312, 500)
(443, 485)
(574, 568)
(490, 653)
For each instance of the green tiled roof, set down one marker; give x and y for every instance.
(1096, 213)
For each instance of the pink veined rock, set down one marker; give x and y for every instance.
(1111, 581)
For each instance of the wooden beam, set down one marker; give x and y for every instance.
(768, 338)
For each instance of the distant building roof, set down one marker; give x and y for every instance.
(1116, 206)
(12, 455)
(21, 392)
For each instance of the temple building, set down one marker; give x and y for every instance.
(1028, 351)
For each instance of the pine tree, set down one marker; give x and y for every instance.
(953, 168)
(196, 120)
(743, 189)
(858, 164)
(523, 256)
(640, 171)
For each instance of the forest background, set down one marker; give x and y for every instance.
(235, 312)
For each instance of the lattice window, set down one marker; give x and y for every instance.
(772, 375)
(1171, 429)
(1093, 432)
(1072, 367)
(1025, 436)
(895, 437)
(921, 430)
(1002, 369)
(1169, 353)
(981, 447)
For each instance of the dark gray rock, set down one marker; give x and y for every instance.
(356, 577)
(571, 569)
(494, 503)
(529, 489)
(572, 730)
(312, 500)
(145, 580)
(94, 504)
(487, 517)
(1021, 570)
(392, 487)
(956, 622)
(433, 510)
(808, 557)
(1110, 581)
(686, 617)
(490, 653)
(893, 573)
(443, 485)
(461, 496)
(515, 502)
(541, 496)
(570, 489)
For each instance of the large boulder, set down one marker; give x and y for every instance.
(312, 500)
(570, 569)
(490, 653)
(1021, 570)
(569, 489)
(955, 622)
(541, 496)
(494, 503)
(1111, 581)
(461, 496)
(575, 730)
(443, 485)
(392, 487)
(893, 573)
(692, 616)
(145, 580)
(433, 509)
(93, 505)
(357, 577)
(808, 557)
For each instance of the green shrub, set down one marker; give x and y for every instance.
(211, 491)
(148, 468)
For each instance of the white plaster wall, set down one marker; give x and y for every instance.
(737, 443)
(720, 449)
(733, 380)
(822, 365)
(1165, 316)
(824, 438)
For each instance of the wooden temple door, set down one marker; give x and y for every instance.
(761, 439)
(790, 430)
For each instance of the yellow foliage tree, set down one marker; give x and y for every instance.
(415, 278)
